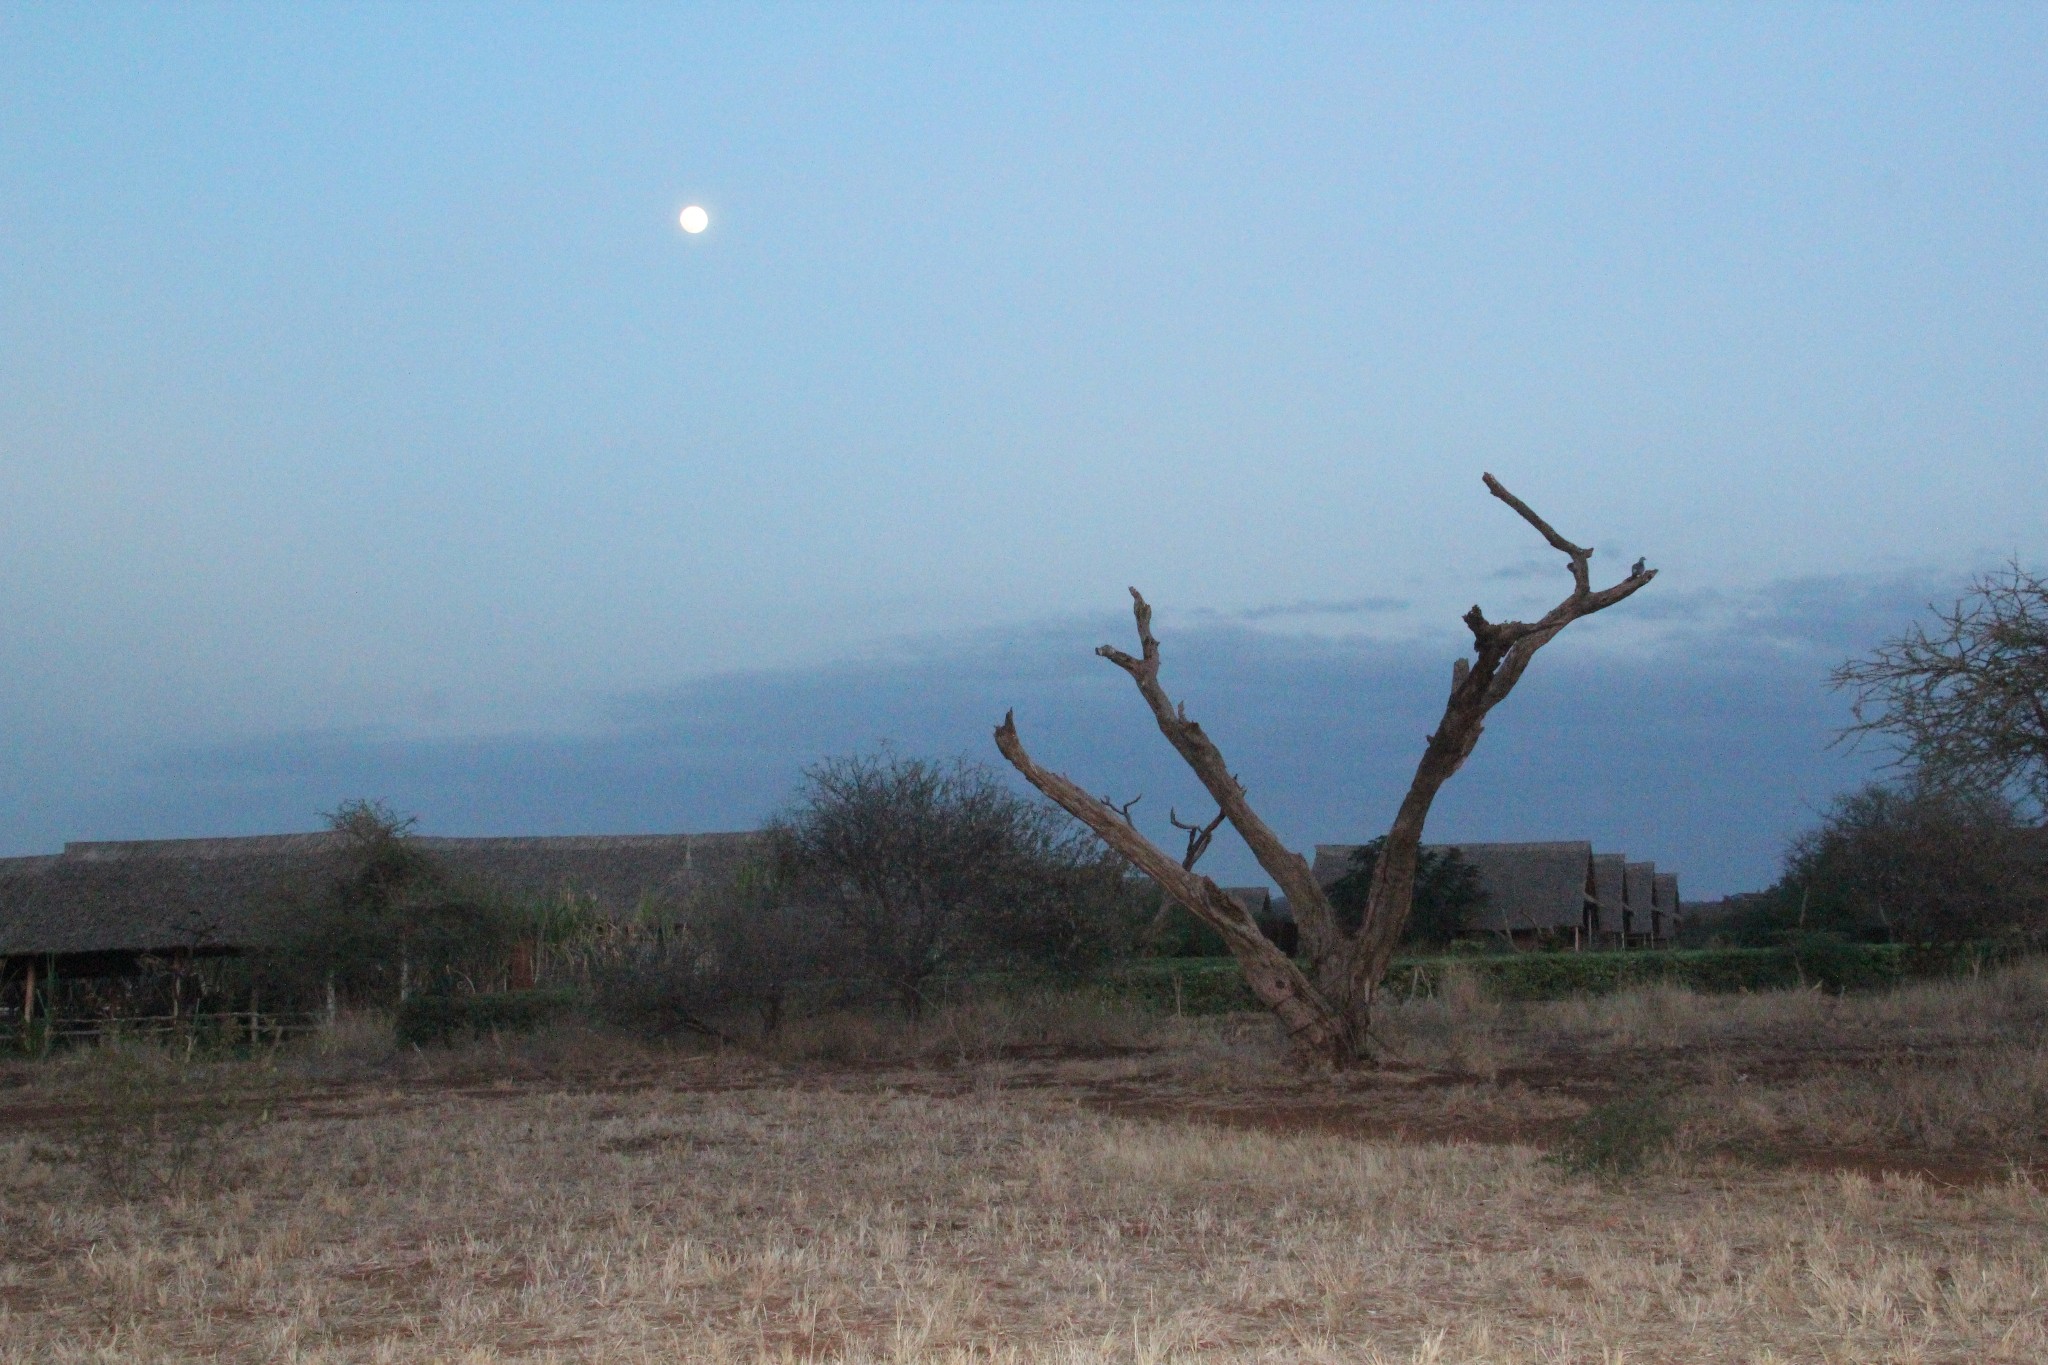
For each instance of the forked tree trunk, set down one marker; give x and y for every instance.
(1325, 1000)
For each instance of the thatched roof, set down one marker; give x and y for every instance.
(1528, 885)
(156, 903)
(1665, 888)
(1332, 861)
(619, 870)
(161, 895)
(1257, 900)
(1639, 886)
(1610, 888)
(19, 878)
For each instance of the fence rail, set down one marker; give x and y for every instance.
(226, 1026)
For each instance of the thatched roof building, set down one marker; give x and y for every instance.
(223, 895)
(1639, 897)
(1532, 887)
(1610, 892)
(1664, 904)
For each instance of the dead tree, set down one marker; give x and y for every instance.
(1325, 1000)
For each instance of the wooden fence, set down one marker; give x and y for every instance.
(223, 1029)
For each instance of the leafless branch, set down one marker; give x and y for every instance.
(1965, 698)
(1310, 1021)
(1288, 869)
(1344, 969)
(1125, 809)
(1198, 837)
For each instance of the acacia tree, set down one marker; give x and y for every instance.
(1325, 1000)
(1917, 863)
(1967, 700)
(928, 866)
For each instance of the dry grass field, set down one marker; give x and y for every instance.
(1841, 1180)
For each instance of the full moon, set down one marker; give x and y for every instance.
(695, 220)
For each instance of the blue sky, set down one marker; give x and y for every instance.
(367, 426)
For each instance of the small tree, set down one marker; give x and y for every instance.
(1071, 906)
(1914, 863)
(1448, 894)
(927, 866)
(754, 942)
(388, 921)
(1965, 699)
(1325, 1001)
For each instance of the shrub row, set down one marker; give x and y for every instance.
(1214, 986)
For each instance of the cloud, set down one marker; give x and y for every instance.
(1349, 606)
(1704, 752)
(1531, 567)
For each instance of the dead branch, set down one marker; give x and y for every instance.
(1312, 913)
(1501, 653)
(1125, 809)
(1316, 1028)
(1198, 836)
(1328, 1008)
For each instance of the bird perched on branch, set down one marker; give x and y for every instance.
(1637, 571)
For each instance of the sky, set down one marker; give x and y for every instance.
(369, 427)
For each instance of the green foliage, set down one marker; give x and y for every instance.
(1832, 962)
(1559, 976)
(1617, 1138)
(445, 1018)
(388, 921)
(1835, 963)
(1214, 985)
(1910, 863)
(1182, 935)
(750, 945)
(1185, 986)
(1448, 894)
(565, 919)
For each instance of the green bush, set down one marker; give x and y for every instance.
(382, 920)
(1214, 985)
(445, 1018)
(1193, 985)
(1181, 935)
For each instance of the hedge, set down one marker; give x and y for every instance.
(444, 1018)
(1214, 985)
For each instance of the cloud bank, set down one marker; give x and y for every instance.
(1697, 734)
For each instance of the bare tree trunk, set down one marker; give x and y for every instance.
(1316, 1028)
(1325, 1002)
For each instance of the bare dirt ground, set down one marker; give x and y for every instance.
(1839, 1180)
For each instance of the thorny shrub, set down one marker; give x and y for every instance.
(152, 1124)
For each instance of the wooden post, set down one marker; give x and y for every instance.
(49, 1003)
(521, 974)
(28, 1004)
(330, 1000)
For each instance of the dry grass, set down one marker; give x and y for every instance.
(2005, 1006)
(792, 1224)
(957, 1192)
(1065, 1023)
(1958, 1065)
